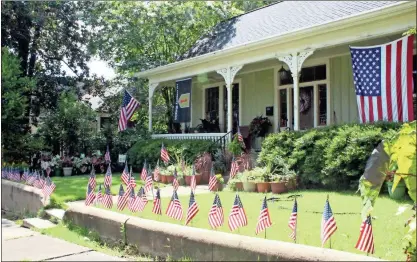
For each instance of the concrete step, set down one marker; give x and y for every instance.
(37, 223)
(55, 213)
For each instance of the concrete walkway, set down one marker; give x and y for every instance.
(21, 244)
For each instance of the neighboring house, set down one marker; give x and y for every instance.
(250, 63)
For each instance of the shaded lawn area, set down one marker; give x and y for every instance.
(387, 227)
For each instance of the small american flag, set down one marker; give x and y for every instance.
(143, 200)
(48, 187)
(31, 178)
(164, 154)
(237, 217)
(107, 198)
(90, 196)
(156, 209)
(99, 197)
(16, 175)
(132, 182)
(328, 224)
(213, 180)
(156, 172)
(107, 177)
(122, 198)
(25, 175)
(148, 182)
(193, 183)
(39, 182)
(192, 209)
(383, 78)
(125, 175)
(175, 183)
(234, 168)
(292, 223)
(92, 180)
(240, 137)
(3, 173)
(174, 209)
(144, 172)
(366, 238)
(129, 105)
(264, 220)
(216, 217)
(131, 202)
(107, 155)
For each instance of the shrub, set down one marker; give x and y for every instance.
(331, 157)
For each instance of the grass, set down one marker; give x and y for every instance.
(387, 227)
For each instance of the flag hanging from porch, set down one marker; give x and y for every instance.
(182, 109)
(129, 105)
(383, 78)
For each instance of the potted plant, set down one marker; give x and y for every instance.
(291, 179)
(235, 147)
(219, 184)
(278, 185)
(188, 176)
(67, 166)
(248, 181)
(235, 184)
(56, 165)
(169, 174)
(262, 180)
(399, 192)
(259, 126)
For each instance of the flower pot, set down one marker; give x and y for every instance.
(169, 179)
(218, 187)
(249, 186)
(163, 179)
(205, 176)
(188, 180)
(278, 187)
(67, 171)
(58, 172)
(399, 190)
(239, 186)
(263, 187)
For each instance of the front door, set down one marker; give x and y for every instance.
(235, 109)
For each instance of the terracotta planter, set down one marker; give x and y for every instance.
(263, 187)
(169, 179)
(217, 187)
(205, 176)
(239, 186)
(278, 187)
(249, 186)
(188, 180)
(163, 179)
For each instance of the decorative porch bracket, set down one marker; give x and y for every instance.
(229, 74)
(295, 62)
(152, 88)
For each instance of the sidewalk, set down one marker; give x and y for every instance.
(22, 244)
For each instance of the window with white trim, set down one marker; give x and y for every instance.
(212, 103)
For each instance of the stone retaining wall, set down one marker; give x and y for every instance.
(164, 239)
(21, 199)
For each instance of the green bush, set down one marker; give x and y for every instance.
(150, 150)
(332, 157)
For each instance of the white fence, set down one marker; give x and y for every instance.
(220, 138)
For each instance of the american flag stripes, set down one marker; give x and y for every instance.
(383, 78)
(31, 179)
(99, 197)
(237, 217)
(193, 183)
(48, 187)
(366, 238)
(156, 172)
(216, 216)
(264, 220)
(175, 183)
(164, 154)
(92, 180)
(107, 198)
(156, 209)
(39, 182)
(131, 201)
(192, 209)
(234, 168)
(328, 223)
(90, 196)
(148, 181)
(174, 209)
(129, 105)
(240, 137)
(144, 172)
(107, 177)
(213, 180)
(132, 182)
(142, 199)
(122, 198)
(125, 177)
(107, 155)
(292, 223)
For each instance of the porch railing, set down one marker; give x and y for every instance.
(219, 138)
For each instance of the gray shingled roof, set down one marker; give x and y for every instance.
(275, 20)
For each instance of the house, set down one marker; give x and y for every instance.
(289, 60)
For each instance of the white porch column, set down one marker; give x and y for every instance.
(295, 62)
(229, 74)
(152, 87)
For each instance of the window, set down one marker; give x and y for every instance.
(104, 121)
(322, 105)
(308, 74)
(283, 107)
(212, 103)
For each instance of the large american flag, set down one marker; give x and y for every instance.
(328, 224)
(193, 183)
(366, 238)
(175, 183)
(129, 105)
(90, 196)
(216, 216)
(107, 155)
(164, 154)
(125, 175)
(383, 78)
(174, 209)
(92, 180)
(234, 168)
(192, 209)
(48, 187)
(107, 198)
(122, 198)
(237, 217)
(144, 172)
(107, 177)
(292, 223)
(264, 220)
(156, 209)
(213, 180)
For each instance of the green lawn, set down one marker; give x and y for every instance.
(388, 228)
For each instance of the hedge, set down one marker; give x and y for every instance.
(150, 150)
(331, 157)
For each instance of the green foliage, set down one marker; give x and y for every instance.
(235, 147)
(331, 157)
(149, 150)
